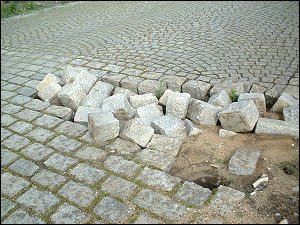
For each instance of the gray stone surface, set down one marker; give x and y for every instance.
(90, 153)
(112, 210)
(6, 206)
(145, 219)
(226, 199)
(86, 80)
(22, 217)
(123, 147)
(15, 142)
(12, 185)
(148, 113)
(47, 121)
(143, 99)
(191, 128)
(177, 104)
(7, 120)
(197, 89)
(60, 112)
(39, 201)
(10, 108)
(276, 127)
(175, 83)
(78, 193)
(37, 151)
(49, 93)
(152, 86)
(82, 114)
(71, 95)
(159, 204)
(21, 127)
(68, 214)
(135, 130)
(71, 73)
(193, 194)
(47, 80)
(38, 105)
(48, 179)
(24, 167)
(120, 165)
(228, 87)
(59, 162)
(131, 83)
(258, 99)
(156, 158)
(158, 179)
(226, 133)
(170, 126)
(64, 144)
(118, 187)
(220, 99)
(71, 129)
(5, 133)
(291, 114)
(28, 115)
(40, 134)
(243, 161)
(103, 126)
(87, 174)
(285, 100)
(168, 145)
(7, 157)
(126, 92)
(201, 112)
(239, 116)
(164, 98)
(20, 99)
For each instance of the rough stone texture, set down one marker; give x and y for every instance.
(28, 115)
(87, 174)
(48, 80)
(122, 146)
(164, 98)
(97, 94)
(113, 79)
(291, 114)
(156, 158)
(118, 187)
(201, 112)
(239, 116)
(47, 121)
(90, 153)
(103, 126)
(50, 92)
(226, 199)
(78, 193)
(60, 112)
(82, 114)
(158, 179)
(39, 201)
(276, 127)
(22, 217)
(67, 214)
(170, 126)
(151, 86)
(38, 105)
(12, 185)
(177, 104)
(258, 99)
(131, 83)
(228, 87)
(40, 134)
(59, 162)
(197, 89)
(71, 73)
(118, 164)
(111, 210)
(135, 130)
(226, 133)
(6, 206)
(21, 127)
(284, 101)
(71, 129)
(86, 80)
(15, 142)
(148, 113)
(119, 106)
(243, 161)
(5, 133)
(24, 167)
(191, 128)
(64, 144)
(7, 120)
(159, 204)
(258, 89)
(48, 179)
(175, 83)
(37, 151)
(126, 92)
(193, 194)
(141, 100)
(145, 219)
(168, 145)
(71, 95)
(220, 99)
(7, 157)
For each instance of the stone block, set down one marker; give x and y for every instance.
(226, 133)
(291, 114)
(258, 99)
(142, 100)
(168, 145)
(83, 112)
(149, 113)
(284, 101)
(49, 93)
(164, 98)
(220, 99)
(177, 104)
(126, 92)
(197, 89)
(228, 87)
(71, 95)
(152, 86)
(122, 146)
(71, 73)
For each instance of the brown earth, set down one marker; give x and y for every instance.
(204, 158)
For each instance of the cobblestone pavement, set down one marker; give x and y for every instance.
(50, 170)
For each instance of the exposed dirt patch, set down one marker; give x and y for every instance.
(204, 159)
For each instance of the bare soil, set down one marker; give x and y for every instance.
(204, 158)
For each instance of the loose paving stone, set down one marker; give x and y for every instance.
(64, 144)
(11, 109)
(145, 219)
(86, 80)
(68, 214)
(71, 129)
(226, 133)
(49, 93)
(142, 100)
(291, 114)
(78, 193)
(20, 99)
(177, 104)
(21, 127)
(119, 106)
(15, 142)
(284, 101)
(118, 187)
(71, 95)
(22, 217)
(259, 101)
(126, 92)
(60, 112)
(226, 199)
(228, 87)
(193, 194)
(158, 179)
(175, 83)
(243, 161)
(113, 68)
(131, 83)
(37, 151)
(7, 120)
(47, 80)
(168, 145)
(149, 113)
(114, 79)
(197, 89)
(239, 116)
(47, 121)
(28, 114)
(40, 134)
(135, 130)
(118, 164)
(90, 153)
(276, 127)
(71, 73)
(170, 126)
(87, 174)
(48, 179)
(164, 98)
(103, 126)
(156, 158)
(39, 201)
(201, 112)
(159, 204)
(60, 162)
(111, 210)
(82, 114)
(191, 128)
(12, 185)
(24, 167)
(122, 146)
(152, 86)
(220, 99)
(6, 206)
(7, 157)
(5, 133)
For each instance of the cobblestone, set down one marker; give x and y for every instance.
(40, 134)
(24, 167)
(48, 179)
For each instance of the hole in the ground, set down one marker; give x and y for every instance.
(212, 182)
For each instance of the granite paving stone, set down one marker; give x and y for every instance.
(6, 206)
(91, 154)
(24, 167)
(71, 129)
(36, 104)
(60, 162)
(37, 151)
(120, 165)
(22, 217)
(21, 127)
(48, 179)
(47, 121)
(68, 214)
(12, 185)
(28, 114)
(5, 133)
(7, 120)
(7, 157)
(15, 142)
(64, 144)
(40, 134)
(145, 219)
(87, 173)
